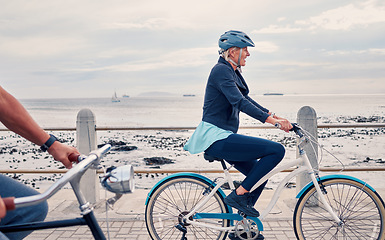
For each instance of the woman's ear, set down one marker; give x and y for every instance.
(232, 52)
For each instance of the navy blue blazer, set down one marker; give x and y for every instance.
(226, 95)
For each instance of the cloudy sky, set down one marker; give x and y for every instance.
(89, 48)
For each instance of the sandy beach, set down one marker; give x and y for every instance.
(354, 147)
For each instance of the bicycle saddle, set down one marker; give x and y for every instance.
(211, 158)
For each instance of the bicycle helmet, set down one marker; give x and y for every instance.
(234, 38)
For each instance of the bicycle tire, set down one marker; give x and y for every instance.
(361, 210)
(175, 198)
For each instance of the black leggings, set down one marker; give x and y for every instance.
(254, 157)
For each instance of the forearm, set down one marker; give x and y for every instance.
(16, 118)
(284, 123)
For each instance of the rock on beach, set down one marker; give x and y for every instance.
(158, 161)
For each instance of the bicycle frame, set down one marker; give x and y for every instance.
(332, 205)
(73, 176)
(88, 219)
(304, 166)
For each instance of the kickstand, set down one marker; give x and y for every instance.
(183, 230)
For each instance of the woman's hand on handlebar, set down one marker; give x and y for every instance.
(285, 125)
(279, 122)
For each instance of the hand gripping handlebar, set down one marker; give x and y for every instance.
(84, 162)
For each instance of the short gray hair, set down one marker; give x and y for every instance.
(226, 53)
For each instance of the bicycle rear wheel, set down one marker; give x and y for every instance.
(174, 199)
(360, 209)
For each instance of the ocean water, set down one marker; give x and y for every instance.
(179, 111)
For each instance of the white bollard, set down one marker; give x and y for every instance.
(307, 119)
(86, 142)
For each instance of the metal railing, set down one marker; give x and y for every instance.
(104, 128)
(86, 141)
(170, 171)
(144, 171)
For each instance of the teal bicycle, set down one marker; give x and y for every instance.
(191, 206)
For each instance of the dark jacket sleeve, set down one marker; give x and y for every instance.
(257, 104)
(233, 94)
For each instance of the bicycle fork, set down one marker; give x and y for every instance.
(321, 192)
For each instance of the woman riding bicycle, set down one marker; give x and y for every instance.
(226, 95)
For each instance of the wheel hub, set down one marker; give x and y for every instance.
(181, 217)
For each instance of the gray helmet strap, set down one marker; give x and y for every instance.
(232, 61)
(239, 60)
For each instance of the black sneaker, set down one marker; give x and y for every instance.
(232, 236)
(242, 203)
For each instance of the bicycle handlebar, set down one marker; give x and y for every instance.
(296, 128)
(84, 163)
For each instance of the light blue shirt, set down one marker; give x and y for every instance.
(205, 135)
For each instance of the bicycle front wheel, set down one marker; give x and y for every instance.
(360, 209)
(173, 200)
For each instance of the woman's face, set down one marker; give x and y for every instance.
(235, 55)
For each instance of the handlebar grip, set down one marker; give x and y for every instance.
(9, 203)
(295, 127)
(74, 157)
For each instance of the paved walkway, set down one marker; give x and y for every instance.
(131, 229)
(126, 220)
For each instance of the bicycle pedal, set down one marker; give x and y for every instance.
(242, 214)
